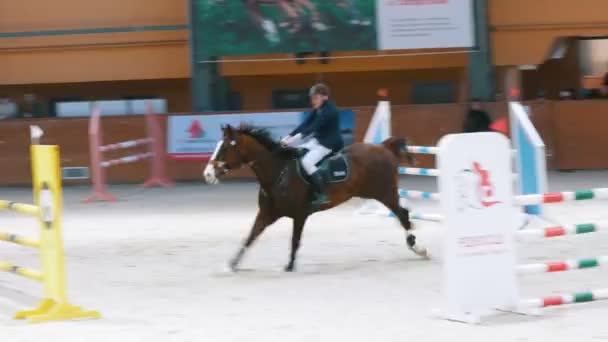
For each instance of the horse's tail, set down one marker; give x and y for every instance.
(395, 145)
(398, 146)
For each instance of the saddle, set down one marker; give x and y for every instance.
(334, 167)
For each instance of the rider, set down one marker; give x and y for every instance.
(320, 135)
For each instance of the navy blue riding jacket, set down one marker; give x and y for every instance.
(324, 125)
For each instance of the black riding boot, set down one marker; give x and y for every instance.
(318, 182)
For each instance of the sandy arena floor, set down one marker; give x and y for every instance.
(153, 265)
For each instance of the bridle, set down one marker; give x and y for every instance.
(241, 159)
(252, 164)
(223, 164)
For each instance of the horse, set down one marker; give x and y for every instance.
(367, 171)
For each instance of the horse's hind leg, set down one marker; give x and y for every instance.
(262, 220)
(403, 215)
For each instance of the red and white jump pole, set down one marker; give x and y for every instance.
(156, 153)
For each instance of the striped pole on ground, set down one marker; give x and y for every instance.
(422, 216)
(566, 196)
(414, 194)
(426, 217)
(561, 266)
(576, 229)
(579, 297)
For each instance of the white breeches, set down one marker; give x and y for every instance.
(315, 153)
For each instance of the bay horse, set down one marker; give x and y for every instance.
(372, 174)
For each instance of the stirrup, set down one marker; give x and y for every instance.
(320, 199)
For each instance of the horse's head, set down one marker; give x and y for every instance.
(238, 146)
(226, 156)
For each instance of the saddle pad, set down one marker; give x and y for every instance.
(335, 169)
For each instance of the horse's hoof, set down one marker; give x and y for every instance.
(411, 244)
(411, 240)
(422, 253)
(228, 269)
(289, 268)
(231, 267)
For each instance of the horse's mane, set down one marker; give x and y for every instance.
(261, 135)
(264, 137)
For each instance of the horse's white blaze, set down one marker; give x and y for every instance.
(209, 171)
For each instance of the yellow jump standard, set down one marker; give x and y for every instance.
(47, 208)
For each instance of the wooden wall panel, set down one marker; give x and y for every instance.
(95, 64)
(523, 31)
(401, 60)
(580, 137)
(546, 12)
(351, 89)
(40, 15)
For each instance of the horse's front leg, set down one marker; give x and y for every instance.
(262, 220)
(298, 227)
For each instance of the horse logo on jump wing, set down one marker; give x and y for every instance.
(475, 188)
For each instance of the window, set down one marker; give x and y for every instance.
(56, 100)
(437, 92)
(110, 107)
(290, 98)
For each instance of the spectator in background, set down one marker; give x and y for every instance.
(477, 119)
(8, 108)
(31, 108)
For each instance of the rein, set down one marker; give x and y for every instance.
(252, 165)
